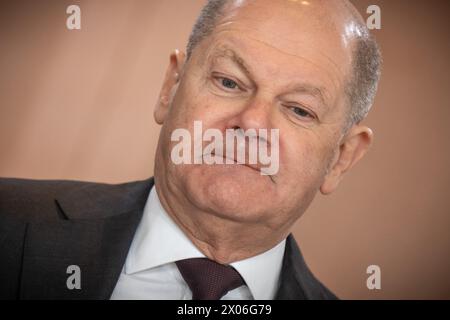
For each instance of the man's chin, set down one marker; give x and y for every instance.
(234, 193)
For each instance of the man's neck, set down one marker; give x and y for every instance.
(218, 238)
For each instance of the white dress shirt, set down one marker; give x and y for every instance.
(150, 271)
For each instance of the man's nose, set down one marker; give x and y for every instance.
(256, 114)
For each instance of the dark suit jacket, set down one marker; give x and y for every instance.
(46, 226)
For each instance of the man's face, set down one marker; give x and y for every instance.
(267, 65)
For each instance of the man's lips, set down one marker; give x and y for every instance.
(251, 166)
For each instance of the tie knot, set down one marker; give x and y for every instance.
(207, 279)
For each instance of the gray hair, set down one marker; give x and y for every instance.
(363, 83)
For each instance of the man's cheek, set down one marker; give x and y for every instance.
(300, 161)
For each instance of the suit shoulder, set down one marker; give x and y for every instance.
(28, 199)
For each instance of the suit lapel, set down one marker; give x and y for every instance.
(95, 237)
(290, 286)
(297, 282)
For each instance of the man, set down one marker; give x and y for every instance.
(308, 69)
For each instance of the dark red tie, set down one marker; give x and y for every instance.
(207, 279)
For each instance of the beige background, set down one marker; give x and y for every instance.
(78, 105)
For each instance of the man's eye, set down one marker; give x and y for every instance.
(228, 83)
(301, 112)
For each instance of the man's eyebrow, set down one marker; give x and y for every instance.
(315, 91)
(225, 52)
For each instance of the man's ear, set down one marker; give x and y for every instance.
(171, 80)
(353, 147)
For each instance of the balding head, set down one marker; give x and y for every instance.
(341, 16)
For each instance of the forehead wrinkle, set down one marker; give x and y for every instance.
(297, 57)
(230, 23)
(333, 72)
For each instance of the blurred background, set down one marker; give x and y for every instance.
(78, 105)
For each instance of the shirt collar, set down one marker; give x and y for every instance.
(158, 241)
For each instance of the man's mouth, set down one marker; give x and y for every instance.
(255, 167)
